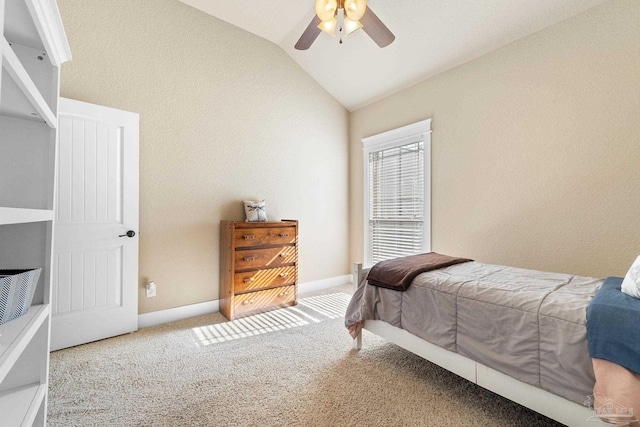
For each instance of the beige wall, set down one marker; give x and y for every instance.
(224, 116)
(536, 148)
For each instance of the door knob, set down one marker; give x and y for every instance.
(129, 233)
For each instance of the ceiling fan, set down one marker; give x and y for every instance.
(344, 17)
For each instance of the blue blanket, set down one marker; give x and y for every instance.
(613, 326)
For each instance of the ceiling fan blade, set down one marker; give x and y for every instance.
(310, 34)
(373, 26)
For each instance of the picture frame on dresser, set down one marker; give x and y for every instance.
(258, 266)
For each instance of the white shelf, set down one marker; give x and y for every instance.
(20, 96)
(32, 48)
(37, 24)
(19, 406)
(21, 216)
(16, 335)
(19, 25)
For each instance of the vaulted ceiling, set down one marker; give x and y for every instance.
(431, 36)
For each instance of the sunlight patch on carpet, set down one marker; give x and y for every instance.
(309, 310)
(330, 306)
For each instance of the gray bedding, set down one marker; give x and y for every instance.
(528, 324)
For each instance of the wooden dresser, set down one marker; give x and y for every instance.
(258, 266)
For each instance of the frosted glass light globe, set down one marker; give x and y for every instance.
(354, 9)
(326, 9)
(329, 27)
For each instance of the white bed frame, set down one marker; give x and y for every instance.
(537, 399)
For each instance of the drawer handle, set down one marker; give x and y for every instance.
(284, 274)
(247, 302)
(282, 294)
(283, 234)
(282, 255)
(248, 280)
(249, 236)
(249, 258)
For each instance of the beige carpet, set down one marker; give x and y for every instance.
(291, 367)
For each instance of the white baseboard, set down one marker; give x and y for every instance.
(180, 313)
(318, 285)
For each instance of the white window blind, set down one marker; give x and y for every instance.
(396, 201)
(397, 193)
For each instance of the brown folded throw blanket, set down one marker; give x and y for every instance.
(398, 273)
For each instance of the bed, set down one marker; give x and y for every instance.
(519, 333)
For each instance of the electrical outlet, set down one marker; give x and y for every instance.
(151, 289)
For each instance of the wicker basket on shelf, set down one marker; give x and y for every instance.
(16, 292)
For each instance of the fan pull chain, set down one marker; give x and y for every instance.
(340, 16)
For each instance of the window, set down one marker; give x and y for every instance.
(397, 193)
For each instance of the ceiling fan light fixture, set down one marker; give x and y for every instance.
(326, 9)
(343, 17)
(329, 27)
(355, 9)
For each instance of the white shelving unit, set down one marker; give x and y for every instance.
(32, 48)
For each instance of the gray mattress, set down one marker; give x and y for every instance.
(528, 324)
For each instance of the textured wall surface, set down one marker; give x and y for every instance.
(535, 148)
(224, 116)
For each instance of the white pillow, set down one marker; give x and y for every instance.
(255, 210)
(631, 282)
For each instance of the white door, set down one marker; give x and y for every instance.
(95, 262)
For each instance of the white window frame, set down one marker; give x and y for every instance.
(420, 131)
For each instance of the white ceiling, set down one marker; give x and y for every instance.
(431, 36)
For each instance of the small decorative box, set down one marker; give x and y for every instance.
(16, 292)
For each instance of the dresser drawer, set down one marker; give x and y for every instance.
(265, 258)
(254, 280)
(262, 300)
(264, 236)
